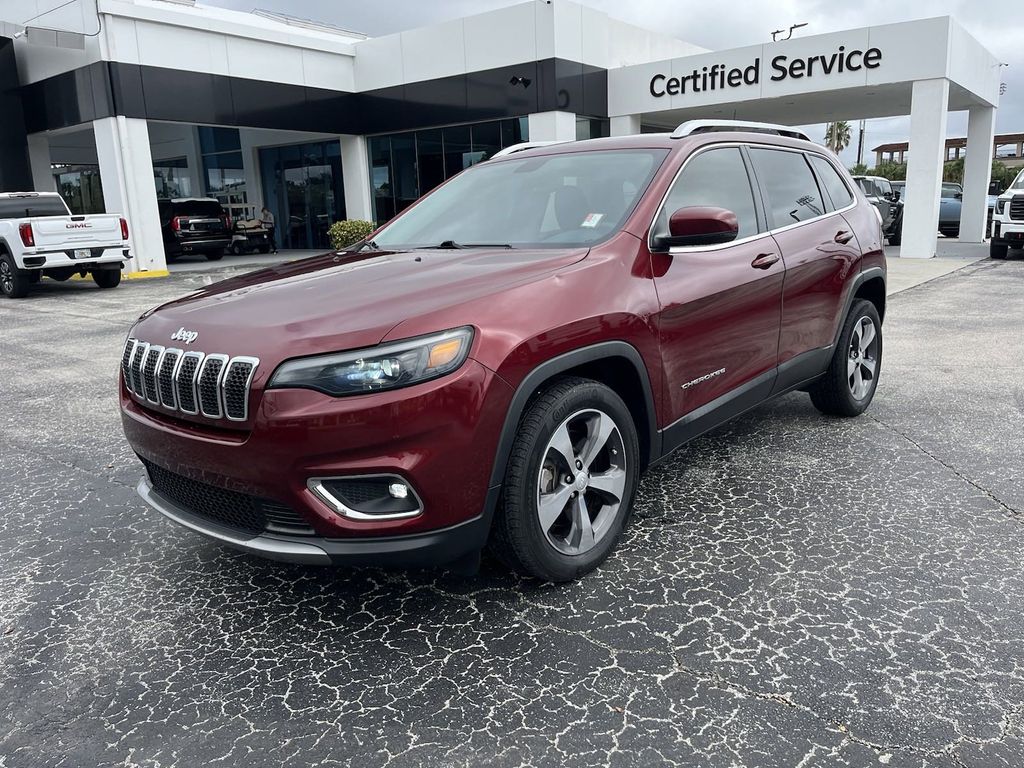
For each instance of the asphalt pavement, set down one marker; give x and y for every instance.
(794, 590)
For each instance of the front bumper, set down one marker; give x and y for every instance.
(441, 437)
(432, 548)
(1009, 232)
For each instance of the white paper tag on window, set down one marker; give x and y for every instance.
(592, 220)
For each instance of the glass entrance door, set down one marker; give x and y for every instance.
(303, 188)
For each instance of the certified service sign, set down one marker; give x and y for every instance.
(718, 77)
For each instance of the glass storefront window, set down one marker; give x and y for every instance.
(172, 178)
(304, 190)
(81, 188)
(592, 128)
(404, 166)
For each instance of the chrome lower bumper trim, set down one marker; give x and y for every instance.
(265, 546)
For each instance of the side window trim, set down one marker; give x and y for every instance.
(826, 196)
(852, 193)
(760, 212)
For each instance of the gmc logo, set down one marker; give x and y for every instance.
(182, 335)
(82, 225)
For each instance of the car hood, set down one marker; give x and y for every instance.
(341, 301)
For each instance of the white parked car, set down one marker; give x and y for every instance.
(40, 236)
(1008, 220)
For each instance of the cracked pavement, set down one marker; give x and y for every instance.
(792, 591)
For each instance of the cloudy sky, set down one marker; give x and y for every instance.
(992, 22)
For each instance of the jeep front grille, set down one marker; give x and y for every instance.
(216, 386)
(1017, 208)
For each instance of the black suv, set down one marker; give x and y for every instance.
(194, 225)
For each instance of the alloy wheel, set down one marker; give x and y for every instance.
(582, 481)
(6, 277)
(862, 364)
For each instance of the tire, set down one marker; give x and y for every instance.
(236, 249)
(214, 255)
(107, 278)
(840, 392)
(264, 248)
(895, 239)
(560, 548)
(997, 250)
(14, 282)
(950, 232)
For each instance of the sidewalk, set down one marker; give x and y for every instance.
(951, 255)
(230, 262)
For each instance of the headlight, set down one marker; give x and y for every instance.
(1001, 205)
(385, 367)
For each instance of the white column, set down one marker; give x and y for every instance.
(924, 167)
(981, 129)
(355, 172)
(552, 126)
(41, 163)
(126, 169)
(625, 125)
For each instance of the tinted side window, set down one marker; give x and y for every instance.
(789, 185)
(715, 178)
(834, 185)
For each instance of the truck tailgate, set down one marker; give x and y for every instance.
(63, 232)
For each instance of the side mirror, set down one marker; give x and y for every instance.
(896, 195)
(700, 225)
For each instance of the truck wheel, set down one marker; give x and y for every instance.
(848, 386)
(895, 239)
(570, 482)
(13, 281)
(997, 250)
(214, 255)
(237, 249)
(265, 248)
(107, 278)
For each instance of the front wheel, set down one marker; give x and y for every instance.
(848, 386)
(570, 482)
(997, 250)
(107, 278)
(13, 281)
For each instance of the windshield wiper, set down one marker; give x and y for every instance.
(369, 245)
(451, 245)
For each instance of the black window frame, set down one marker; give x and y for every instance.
(811, 156)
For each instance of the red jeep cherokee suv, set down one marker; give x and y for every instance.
(499, 363)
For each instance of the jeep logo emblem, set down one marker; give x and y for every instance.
(186, 336)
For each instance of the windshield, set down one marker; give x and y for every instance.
(32, 207)
(556, 201)
(951, 190)
(1018, 183)
(209, 209)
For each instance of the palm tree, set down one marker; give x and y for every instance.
(837, 136)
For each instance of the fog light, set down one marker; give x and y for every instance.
(367, 497)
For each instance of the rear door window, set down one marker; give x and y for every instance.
(200, 209)
(791, 190)
(716, 178)
(833, 183)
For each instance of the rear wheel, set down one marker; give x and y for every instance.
(848, 386)
(950, 232)
(14, 282)
(214, 255)
(236, 248)
(570, 482)
(896, 238)
(997, 250)
(107, 278)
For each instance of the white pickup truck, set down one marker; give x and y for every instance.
(1008, 220)
(40, 236)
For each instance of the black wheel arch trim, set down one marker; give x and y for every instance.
(867, 274)
(565, 362)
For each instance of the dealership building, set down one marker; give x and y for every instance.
(116, 103)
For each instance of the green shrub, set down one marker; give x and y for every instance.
(344, 233)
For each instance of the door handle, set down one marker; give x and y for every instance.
(764, 260)
(843, 236)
